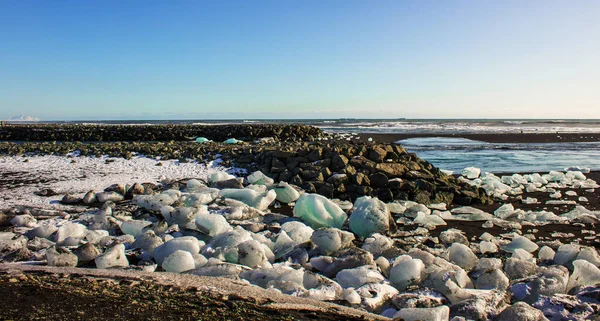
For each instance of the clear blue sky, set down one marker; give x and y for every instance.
(299, 59)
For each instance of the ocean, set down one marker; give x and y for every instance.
(455, 154)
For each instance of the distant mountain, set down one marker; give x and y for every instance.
(24, 118)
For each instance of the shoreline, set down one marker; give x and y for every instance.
(516, 138)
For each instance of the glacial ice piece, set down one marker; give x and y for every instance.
(218, 177)
(186, 243)
(522, 255)
(211, 224)
(423, 219)
(453, 235)
(251, 253)
(283, 245)
(331, 239)
(377, 244)
(487, 247)
(278, 272)
(584, 274)
(414, 210)
(103, 197)
(505, 211)
(202, 140)
(521, 242)
(546, 254)
(226, 244)
(232, 141)
(375, 295)
(357, 277)
(589, 254)
(298, 231)
(24, 220)
(471, 172)
(286, 193)
(258, 178)
(154, 202)
(441, 313)
(260, 201)
(549, 281)
(134, 227)
(490, 280)
(179, 261)
(69, 233)
(517, 269)
(200, 197)
(462, 256)
(43, 231)
(318, 211)
(370, 215)
(112, 257)
(566, 253)
(61, 257)
(148, 241)
(408, 271)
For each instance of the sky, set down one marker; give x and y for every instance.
(238, 59)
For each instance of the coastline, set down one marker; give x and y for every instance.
(489, 137)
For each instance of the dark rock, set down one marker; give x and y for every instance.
(338, 162)
(70, 199)
(361, 179)
(309, 188)
(315, 155)
(392, 169)
(377, 154)
(230, 183)
(385, 194)
(378, 180)
(462, 200)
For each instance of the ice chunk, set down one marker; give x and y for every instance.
(462, 256)
(495, 279)
(232, 141)
(505, 211)
(298, 231)
(453, 236)
(423, 219)
(286, 193)
(487, 247)
(566, 253)
(186, 243)
(251, 253)
(441, 313)
(318, 211)
(109, 196)
(179, 261)
(471, 172)
(260, 201)
(589, 254)
(202, 140)
(226, 244)
(357, 277)
(546, 254)
(414, 210)
(70, 234)
(134, 227)
(61, 257)
(377, 244)
(24, 220)
(331, 239)
(148, 241)
(218, 177)
(258, 178)
(211, 224)
(43, 231)
(200, 197)
(408, 271)
(584, 274)
(521, 242)
(113, 257)
(522, 255)
(154, 202)
(370, 215)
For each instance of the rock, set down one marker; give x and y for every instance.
(70, 199)
(370, 215)
(318, 211)
(179, 261)
(377, 154)
(86, 253)
(521, 311)
(378, 180)
(113, 257)
(548, 282)
(89, 198)
(345, 259)
(61, 257)
(441, 313)
(338, 162)
(392, 169)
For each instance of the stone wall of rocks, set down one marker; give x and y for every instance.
(95, 133)
(348, 171)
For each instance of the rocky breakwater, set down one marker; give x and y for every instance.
(348, 171)
(182, 132)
